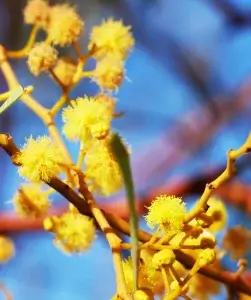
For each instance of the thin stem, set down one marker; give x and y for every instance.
(57, 79)
(165, 280)
(175, 274)
(87, 74)
(165, 239)
(78, 50)
(24, 51)
(114, 242)
(229, 172)
(59, 104)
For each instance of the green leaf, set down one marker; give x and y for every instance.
(123, 159)
(14, 96)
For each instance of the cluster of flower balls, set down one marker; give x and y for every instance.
(88, 120)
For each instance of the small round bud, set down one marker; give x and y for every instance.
(163, 258)
(42, 57)
(207, 240)
(206, 257)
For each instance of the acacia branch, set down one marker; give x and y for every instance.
(238, 283)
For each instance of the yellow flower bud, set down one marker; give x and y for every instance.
(206, 257)
(163, 258)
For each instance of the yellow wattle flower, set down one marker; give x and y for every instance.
(31, 201)
(37, 12)
(74, 233)
(102, 169)
(85, 119)
(111, 37)
(166, 212)
(42, 57)
(39, 159)
(65, 26)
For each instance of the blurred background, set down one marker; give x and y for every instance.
(186, 102)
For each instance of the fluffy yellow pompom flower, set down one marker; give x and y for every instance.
(41, 58)
(86, 118)
(102, 169)
(74, 232)
(111, 37)
(37, 12)
(65, 70)
(31, 201)
(109, 73)
(7, 249)
(65, 25)
(218, 212)
(167, 212)
(39, 159)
